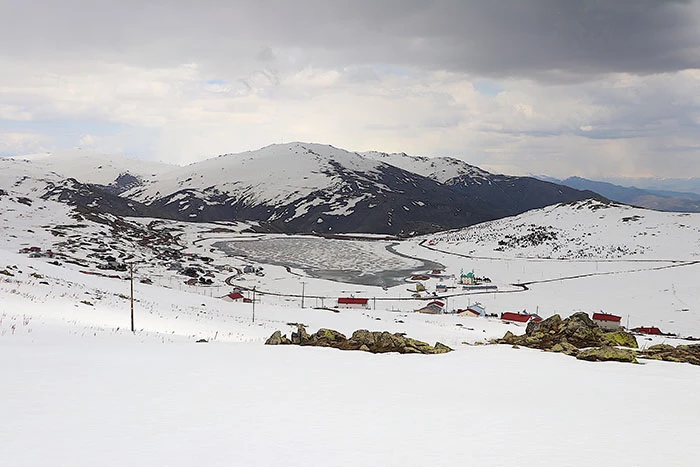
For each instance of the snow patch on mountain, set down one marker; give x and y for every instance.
(441, 169)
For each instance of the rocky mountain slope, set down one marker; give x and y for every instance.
(514, 194)
(291, 188)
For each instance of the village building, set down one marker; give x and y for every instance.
(352, 302)
(651, 330)
(435, 307)
(607, 321)
(474, 310)
(520, 318)
(234, 297)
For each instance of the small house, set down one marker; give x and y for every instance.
(435, 307)
(474, 310)
(521, 318)
(441, 288)
(234, 297)
(352, 302)
(607, 321)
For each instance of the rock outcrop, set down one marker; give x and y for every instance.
(681, 354)
(607, 354)
(572, 334)
(367, 341)
(568, 335)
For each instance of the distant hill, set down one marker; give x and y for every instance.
(660, 200)
(580, 230)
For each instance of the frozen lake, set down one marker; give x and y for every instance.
(373, 263)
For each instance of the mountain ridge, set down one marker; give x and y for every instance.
(304, 188)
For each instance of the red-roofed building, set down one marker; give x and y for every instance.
(523, 318)
(234, 297)
(352, 302)
(607, 321)
(654, 331)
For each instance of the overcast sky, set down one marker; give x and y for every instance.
(559, 87)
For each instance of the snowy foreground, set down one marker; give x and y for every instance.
(83, 391)
(122, 403)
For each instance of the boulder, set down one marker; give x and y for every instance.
(620, 339)
(274, 339)
(577, 331)
(442, 348)
(301, 337)
(326, 338)
(681, 354)
(607, 354)
(364, 340)
(565, 348)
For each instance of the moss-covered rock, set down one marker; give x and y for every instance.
(607, 354)
(620, 338)
(326, 338)
(568, 335)
(681, 354)
(367, 341)
(565, 348)
(442, 348)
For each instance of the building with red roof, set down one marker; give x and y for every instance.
(607, 321)
(352, 302)
(652, 330)
(234, 297)
(522, 318)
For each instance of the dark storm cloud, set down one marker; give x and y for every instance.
(537, 38)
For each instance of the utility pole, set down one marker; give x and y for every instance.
(131, 278)
(254, 303)
(303, 284)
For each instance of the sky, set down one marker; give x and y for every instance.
(594, 88)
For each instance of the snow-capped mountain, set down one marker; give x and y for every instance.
(513, 194)
(295, 187)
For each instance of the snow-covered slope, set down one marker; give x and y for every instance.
(303, 187)
(269, 175)
(584, 229)
(441, 169)
(512, 195)
(90, 166)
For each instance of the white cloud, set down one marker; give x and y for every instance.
(21, 143)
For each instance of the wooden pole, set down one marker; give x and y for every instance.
(302, 294)
(131, 277)
(253, 303)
